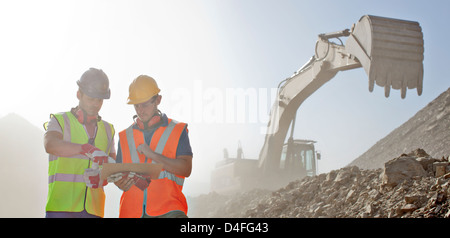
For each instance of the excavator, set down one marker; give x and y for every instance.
(391, 52)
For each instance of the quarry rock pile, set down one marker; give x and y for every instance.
(392, 179)
(413, 185)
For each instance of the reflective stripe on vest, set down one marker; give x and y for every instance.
(75, 178)
(67, 190)
(163, 194)
(159, 149)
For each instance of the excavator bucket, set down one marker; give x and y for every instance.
(390, 51)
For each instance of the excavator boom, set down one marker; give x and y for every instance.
(391, 53)
(389, 50)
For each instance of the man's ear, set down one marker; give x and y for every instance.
(79, 95)
(158, 99)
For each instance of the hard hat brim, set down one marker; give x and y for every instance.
(91, 94)
(142, 100)
(132, 102)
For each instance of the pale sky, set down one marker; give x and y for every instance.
(196, 50)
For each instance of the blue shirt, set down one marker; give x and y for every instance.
(184, 146)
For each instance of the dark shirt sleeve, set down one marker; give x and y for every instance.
(119, 154)
(184, 146)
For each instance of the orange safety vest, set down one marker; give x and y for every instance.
(163, 194)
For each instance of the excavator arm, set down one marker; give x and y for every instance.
(389, 50)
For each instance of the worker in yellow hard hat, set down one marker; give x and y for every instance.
(153, 138)
(76, 141)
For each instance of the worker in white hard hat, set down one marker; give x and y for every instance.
(76, 141)
(153, 138)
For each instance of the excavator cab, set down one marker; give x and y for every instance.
(299, 159)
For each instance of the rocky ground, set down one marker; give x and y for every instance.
(387, 181)
(413, 185)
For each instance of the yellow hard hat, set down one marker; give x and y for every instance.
(142, 89)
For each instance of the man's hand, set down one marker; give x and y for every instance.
(125, 183)
(182, 165)
(142, 181)
(145, 149)
(94, 153)
(127, 179)
(92, 178)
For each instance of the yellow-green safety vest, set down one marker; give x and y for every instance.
(67, 191)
